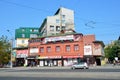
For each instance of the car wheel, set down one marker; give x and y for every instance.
(87, 68)
(73, 67)
(84, 67)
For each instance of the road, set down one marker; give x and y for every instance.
(60, 73)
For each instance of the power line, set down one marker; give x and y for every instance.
(25, 6)
(87, 21)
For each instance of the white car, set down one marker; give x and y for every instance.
(81, 65)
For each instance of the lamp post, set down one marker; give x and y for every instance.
(78, 58)
(11, 64)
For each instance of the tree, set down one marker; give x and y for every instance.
(4, 50)
(112, 50)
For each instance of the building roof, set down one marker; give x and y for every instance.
(58, 11)
(28, 28)
(42, 24)
(101, 42)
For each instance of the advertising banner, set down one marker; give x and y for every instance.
(58, 38)
(33, 50)
(97, 50)
(88, 50)
(22, 53)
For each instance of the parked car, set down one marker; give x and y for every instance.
(81, 65)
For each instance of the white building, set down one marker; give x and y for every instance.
(62, 20)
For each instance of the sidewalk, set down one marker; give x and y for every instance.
(107, 66)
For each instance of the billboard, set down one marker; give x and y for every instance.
(97, 50)
(88, 50)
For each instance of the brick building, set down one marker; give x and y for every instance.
(65, 50)
(62, 50)
(93, 50)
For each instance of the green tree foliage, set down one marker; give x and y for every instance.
(4, 50)
(112, 50)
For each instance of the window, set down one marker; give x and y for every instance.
(23, 35)
(67, 47)
(23, 41)
(33, 35)
(63, 21)
(23, 30)
(63, 16)
(35, 30)
(76, 47)
(57, 48)
(41, 49)
(32, 30)
(48, 49)
(57, 21)
(63, 28)
(57, 28)
(51, 28)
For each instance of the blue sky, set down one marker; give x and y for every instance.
(99, 17)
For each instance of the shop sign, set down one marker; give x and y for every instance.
(49, 57)
(22, 53)
(54, 57)
(72, 56)
(42, 57)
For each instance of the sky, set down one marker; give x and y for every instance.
(98, 17)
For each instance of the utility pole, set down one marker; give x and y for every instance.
(11, 64)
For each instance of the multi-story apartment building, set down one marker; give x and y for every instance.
(22, 35)
(62, 20)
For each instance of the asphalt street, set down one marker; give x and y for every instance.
(60, 73)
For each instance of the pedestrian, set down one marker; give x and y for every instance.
(114, 63)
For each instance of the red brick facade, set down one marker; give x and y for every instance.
(59, 47)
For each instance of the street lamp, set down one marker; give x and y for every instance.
(11, 64)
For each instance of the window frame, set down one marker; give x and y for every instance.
(41, 49)
(48, 49)
(68, 49)
(76, 47)
(57, 48)
(57, 28)
(51, 28)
